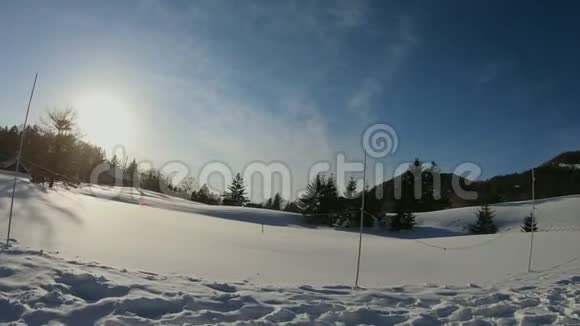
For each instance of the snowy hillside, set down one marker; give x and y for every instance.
(142, 257)
(552, 214)
(163, 234)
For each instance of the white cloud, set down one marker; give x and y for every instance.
(360, 102)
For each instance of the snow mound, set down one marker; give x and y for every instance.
(40, 289)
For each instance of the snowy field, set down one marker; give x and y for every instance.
(142, 257)
(36, 288)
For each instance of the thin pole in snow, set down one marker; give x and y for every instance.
(362, 212)
(262, 228)
(18, 157)
(533, 220)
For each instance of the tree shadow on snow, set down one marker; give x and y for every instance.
(163, 201)
(419, 232)
(32, 207)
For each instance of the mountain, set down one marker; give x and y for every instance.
(559, 176)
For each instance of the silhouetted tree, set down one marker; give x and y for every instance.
(350, 190)
(132, 173)
(204, 195)
(62, 126)
(237, 191)
(530, 224)
(277, 202)
(484, 223)
(292, 207)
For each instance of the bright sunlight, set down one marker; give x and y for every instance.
(104, 118)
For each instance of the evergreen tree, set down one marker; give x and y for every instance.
(238, 191)
(530, 224)
(292, 207)
(61, 126)
(404, 219)
(484, 223)
(317, 202)
(329, 199)
(397, 220)
(350, 188)
(268, 203)
(132, 173)
(309, 202)
(408, 221)
(204, 195)
(114, 161)
(277, 202)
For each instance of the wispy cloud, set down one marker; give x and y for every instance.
(360, 102)
(397, 49)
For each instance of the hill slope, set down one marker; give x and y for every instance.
(163, 240)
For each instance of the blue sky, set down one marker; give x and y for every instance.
(490, 82)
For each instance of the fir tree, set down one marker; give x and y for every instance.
(292, 207)
(319, 202)
(484, 223)
(408, 221)
(397, 220)
(204, 195)
(268, 203)
(530, 224)
(277, 202)
(350, 188)
(132, 173)
(404, 219)
(238, 190)
(114, 161)
(309, 202)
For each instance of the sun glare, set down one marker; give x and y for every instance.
(104, 119)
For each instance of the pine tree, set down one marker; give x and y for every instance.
(132, 172)
(204, 195)
(397, 221)
(530, 224)
(309, 202)
(268, 203)
(114, 161)
(484, 223)
(319, 202)
(330, 195)
(404, 219)
(350, 188)
(408, 221)
(277, 202)
(238, 190)
(292, 207)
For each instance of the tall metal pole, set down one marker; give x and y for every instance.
(362, 214)
(18, 157)
(533, 220)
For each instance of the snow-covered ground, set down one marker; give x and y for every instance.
(175, 261)
(36, 289)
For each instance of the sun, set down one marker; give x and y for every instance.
(104, 119)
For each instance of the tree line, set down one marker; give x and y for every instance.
(55, 152)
